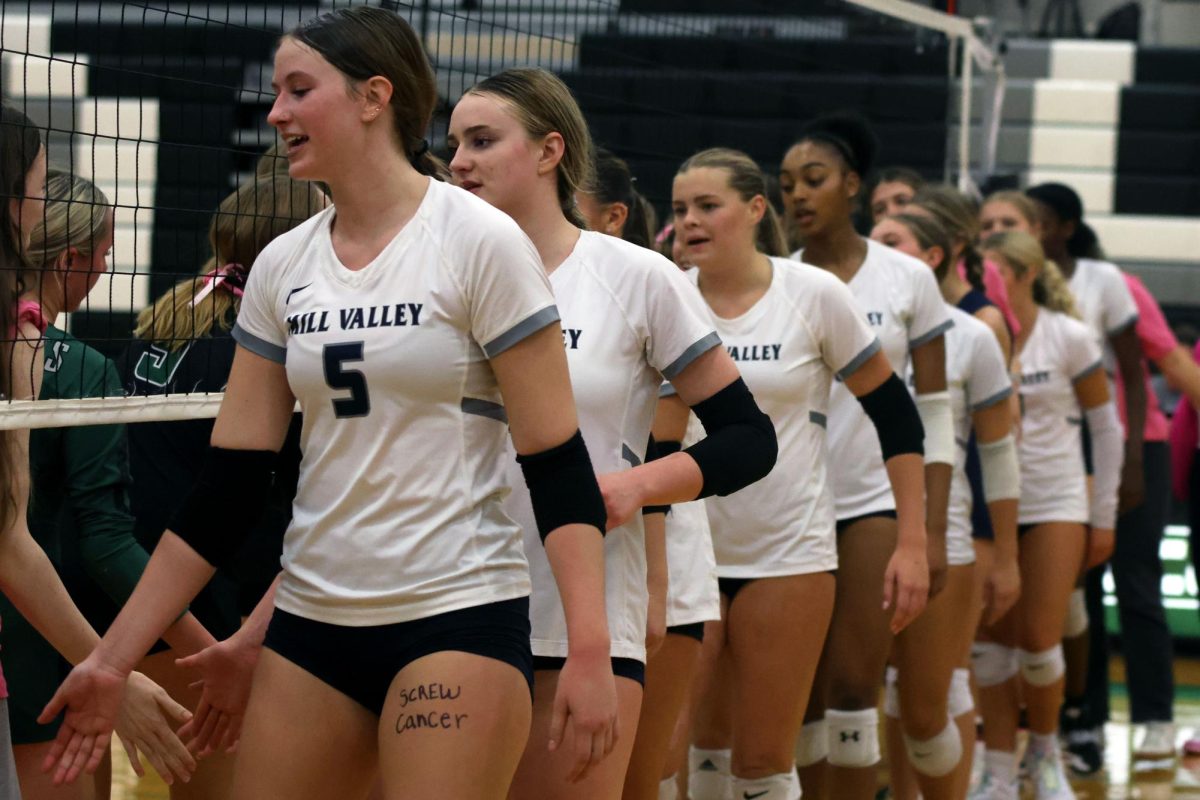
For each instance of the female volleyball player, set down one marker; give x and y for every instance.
(613, 205)
(793, 329)
(682, 583)
(1061, 380)
(977, 374)
(893, 190)
(27, 577)
(80, 477)
(629, 320)
(405, 315)
(886, 563)
(1136, 565)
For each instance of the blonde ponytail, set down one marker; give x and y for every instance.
(1023, 253)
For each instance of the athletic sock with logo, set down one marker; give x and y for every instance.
(782, 786)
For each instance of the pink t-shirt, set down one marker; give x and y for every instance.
(1157, 341)
(1185, 436)
(993, 287)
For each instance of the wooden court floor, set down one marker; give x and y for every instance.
(1123, 779)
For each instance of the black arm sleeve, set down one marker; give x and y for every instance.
(894, 414)
(225, 503)
(563, 488)
(740, 447)
(653, 451)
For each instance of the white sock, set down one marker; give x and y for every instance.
(1043, 743)
(1001, 764)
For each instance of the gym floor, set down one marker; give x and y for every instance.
(1153, 780)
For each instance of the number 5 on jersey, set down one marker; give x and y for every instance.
(335, 356)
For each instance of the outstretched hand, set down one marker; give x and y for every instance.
(91, 696)
(147, 722)
(225, 671)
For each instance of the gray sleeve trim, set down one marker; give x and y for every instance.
(522, 330)
(817, 418)
(260, 347)
(667, 390)
(1123, 326)
(931, 335)
(988, 402)
(630, 456)
(698, 348)
(860, 359)
(1083, 373)
(484, 408)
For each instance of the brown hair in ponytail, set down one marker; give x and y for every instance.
(748, 180)
(960, 219)
(363, 42)
(543, 105)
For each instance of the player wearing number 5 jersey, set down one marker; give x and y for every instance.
(629, 319)
(401, 320)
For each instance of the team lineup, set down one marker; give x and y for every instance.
(572, 507)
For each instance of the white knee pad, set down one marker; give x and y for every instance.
(1077, 616)
(993, 663)
(783, 786)
(1042, 668)
(812, 746)
(937, 756)
(960, 700)
(891, 693)
(708, 774)
(668, 789)
(853, 737)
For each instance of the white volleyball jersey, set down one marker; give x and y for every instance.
(692, 592)
(1104, 302)
(398, 514)
(1059, 351)
(629, 320)
(788, 346)
(900, 298)
(977, 379)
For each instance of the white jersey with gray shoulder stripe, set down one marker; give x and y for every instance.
(1059, 351)
(398, 514)
(977, 379)
(789, 346)
(629, 320)
(900, 298)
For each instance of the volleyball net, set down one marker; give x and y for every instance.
(163, 106)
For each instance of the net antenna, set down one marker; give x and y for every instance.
(977, 46)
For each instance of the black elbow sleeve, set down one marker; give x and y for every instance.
(225, 503)
(654, 450)
(563, 488)
(894, 414)
(740, 446)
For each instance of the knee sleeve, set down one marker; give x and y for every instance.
(891, 693)
(937, 756)
(783, 786)
(993, 663)
(1042, 668)
(812, 746)
(1077, 616)
(668, 789)
(708, 774)
(853, 737)
(960, 700)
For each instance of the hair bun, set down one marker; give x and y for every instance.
(850, 133)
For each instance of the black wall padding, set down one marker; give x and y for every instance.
(1161, 108)
(1178, 65)
(1157, 194)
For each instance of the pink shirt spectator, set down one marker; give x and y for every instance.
(1157, 340)
(1185, 437)
(993, 287)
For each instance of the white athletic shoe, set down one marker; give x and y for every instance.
(1157, 741)
(1047, 774)
(991, 789)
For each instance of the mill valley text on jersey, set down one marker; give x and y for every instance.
(351, 319)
